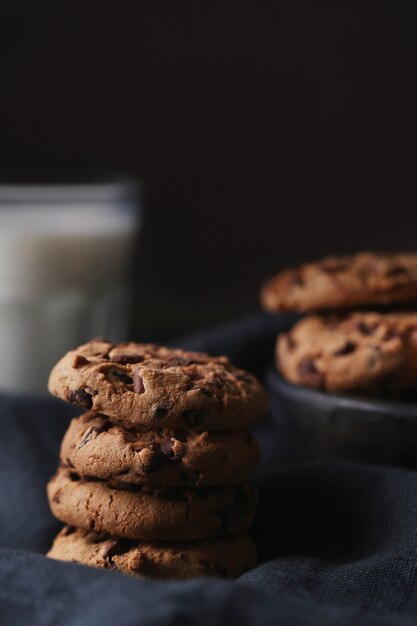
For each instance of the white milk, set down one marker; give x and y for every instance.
(64, 256)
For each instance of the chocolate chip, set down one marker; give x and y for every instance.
(116, 375)
(123, 377)
(391, 333)
(138, 385)
(193, 418)
(290, 342)
(347, 348)
(167, 449)
(94, 430)
(79, 361)
(223, 384)
(219, 390)
(180, 361)
(308, 369)
(194, 373)
(57, 497)
(116, 547)
(160, 412)
(73, 476)
(79, 397)
(296, 278)
(397, 270)
(205, 391)
(367, 329)
(124, 359)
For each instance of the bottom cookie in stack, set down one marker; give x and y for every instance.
(226, 556)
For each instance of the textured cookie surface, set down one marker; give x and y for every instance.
(375, 352)
(227, 557)
(155, 387)
(365, 279)
(94, 446)
(151, 513)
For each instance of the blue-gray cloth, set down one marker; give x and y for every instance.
(338, 540)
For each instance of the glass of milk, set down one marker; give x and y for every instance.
(65, 252)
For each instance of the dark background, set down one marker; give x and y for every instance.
(267, 132)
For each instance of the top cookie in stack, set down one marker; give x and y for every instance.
(372, 349)
(154, 387)
(161, 456)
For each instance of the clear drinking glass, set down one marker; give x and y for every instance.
(65, 251)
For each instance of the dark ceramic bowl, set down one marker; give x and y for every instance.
(317, 424)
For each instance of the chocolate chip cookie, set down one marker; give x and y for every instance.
(375, 352)
(227, 557)
(94, 446)
(365, 279)
(151, 513)
(155, 387)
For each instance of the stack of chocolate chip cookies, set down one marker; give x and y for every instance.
(358, 336)
(154, 477)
